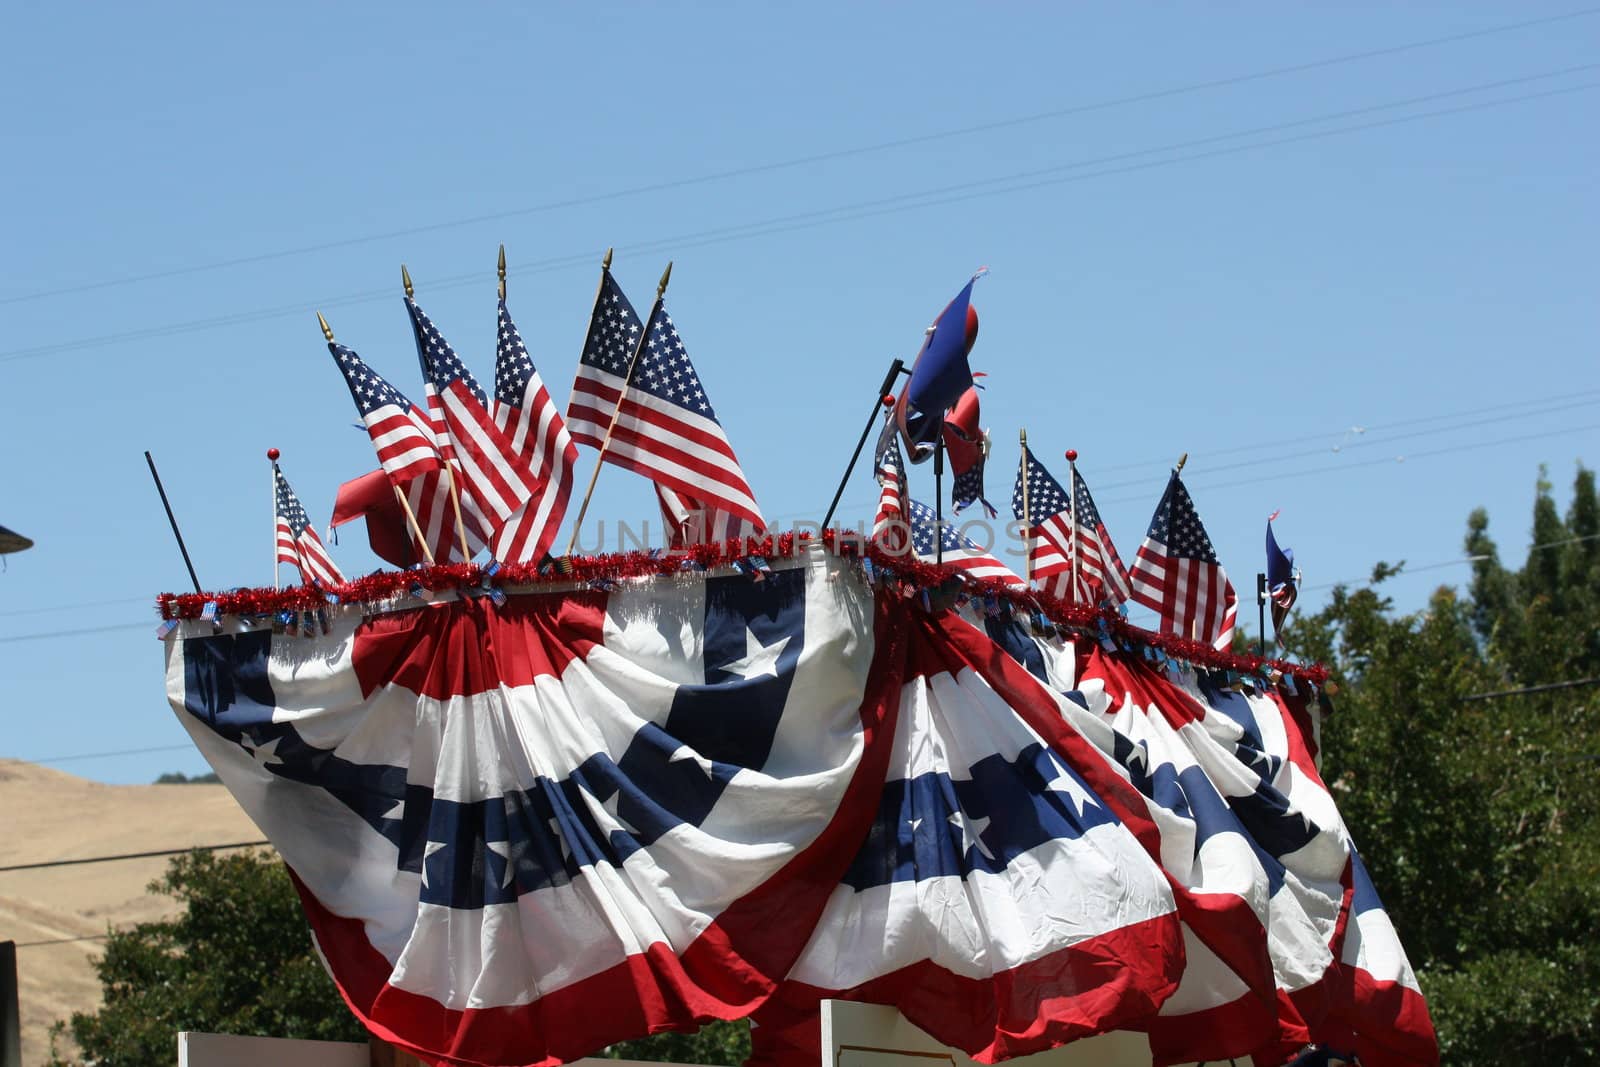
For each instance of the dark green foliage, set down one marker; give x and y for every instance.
(1480, 819)
(726, 1044)
(179, 778)
(238, 960)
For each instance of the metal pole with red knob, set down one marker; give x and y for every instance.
(1072, 497)
(272, 462)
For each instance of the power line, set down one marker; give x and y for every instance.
(76, 607)
(1382, 441)
(14, 638)
(1341, 467)
(935, 197)
(814, 158)
(1407, 569)
(62, 940)
(1359, 429)
(132, 856)
(108, 755)
(1548, 687)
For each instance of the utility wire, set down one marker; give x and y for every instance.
(1341, 467)
(1548, 687)
(1361, 429)
(1376, 442)
(131, 856)
(62, 940)
(814, 158)
(107, 755)
(1029, 180)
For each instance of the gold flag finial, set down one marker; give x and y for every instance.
(327, 331)
(605, 264)
(502, 269)
(1022, 434)
(665, 275)
(405, 279)
(1181, 461)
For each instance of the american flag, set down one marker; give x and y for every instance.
(687, 521)
(959, 551)
(667, 430)
(492, 480)
(533, 425)
(1177, 574)
(403, 437)
(298, 542)
(1050, 526)
(889, 524)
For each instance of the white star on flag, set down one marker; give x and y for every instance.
(971, 832)
(427, 852)
(266, 755)
(758, 659)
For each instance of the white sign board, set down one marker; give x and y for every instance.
(873, 1035)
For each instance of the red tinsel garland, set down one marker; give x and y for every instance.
(907, 572)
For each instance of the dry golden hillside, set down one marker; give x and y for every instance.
(52, 815)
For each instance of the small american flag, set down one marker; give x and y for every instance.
(533, 425)
(492, 480)
(958, 551)
(1177, 574)
(1051, 529)
(667, 430)
(298, 542)
(889, 524)
(403, 437)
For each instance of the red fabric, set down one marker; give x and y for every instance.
(371, 497)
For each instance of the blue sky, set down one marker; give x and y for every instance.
(187, 182)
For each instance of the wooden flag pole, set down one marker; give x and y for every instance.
(277, 569)
(1072, 503)
(622, 395)
(405, 505)
(938, 498)
(449, 474)
(1027, 513)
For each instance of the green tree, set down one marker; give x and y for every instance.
(725, 1044)
(237, 960)
(1479, 817)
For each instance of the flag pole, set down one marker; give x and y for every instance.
(938, 498)
(622, 395)
(277, 569)
(896, 369)
(405, 505)
(449, 475)
(1072, 499)
(1027, 515)
(174, 522)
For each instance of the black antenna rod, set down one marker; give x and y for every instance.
(173, 521)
